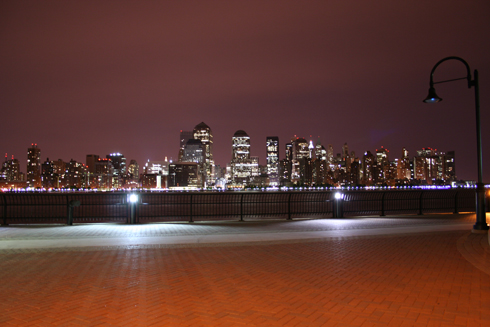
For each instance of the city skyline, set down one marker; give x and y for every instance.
(81, 78)
(304, 163)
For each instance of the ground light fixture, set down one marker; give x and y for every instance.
(133, 198)
(432, 97)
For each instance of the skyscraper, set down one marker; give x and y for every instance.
(272, 151)
(301, 156)
(33, 166)
(241, 165)
(203, 133)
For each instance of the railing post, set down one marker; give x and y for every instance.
(456, 202)
(4, 222)
(71, 204)
(241, 207)
(69, 212)
(289, 206)
(420, 202)
(383, 204)
(190, 219)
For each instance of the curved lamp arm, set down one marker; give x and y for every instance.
(468, 72)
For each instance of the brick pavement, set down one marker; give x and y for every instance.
(424, 279)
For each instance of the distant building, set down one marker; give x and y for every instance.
(203, 133)
(184, 174)
(156, 167)
(10, 171)
(300, 160)
(450, 166)
(403, 167)
(120, 175)
(53, 174)
(272, 153)
(194, 151)
(103, 176)
(118, 162)
(432, 167)
(133, 174)
(241, 164)
(76, 175)
(184, 137)
(367, 167)
(34, 166)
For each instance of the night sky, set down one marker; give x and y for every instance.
(96, 77)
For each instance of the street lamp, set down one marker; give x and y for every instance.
(432, 97)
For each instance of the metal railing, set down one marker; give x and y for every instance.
(62, 208)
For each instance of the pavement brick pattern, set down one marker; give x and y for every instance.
(424, 279)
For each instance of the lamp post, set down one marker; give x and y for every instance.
(432, 97)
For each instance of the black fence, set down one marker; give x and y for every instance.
(68, 208)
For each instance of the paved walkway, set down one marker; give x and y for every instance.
(393, 271)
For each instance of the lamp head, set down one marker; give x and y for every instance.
(432, 97)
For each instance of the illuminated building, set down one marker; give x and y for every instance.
(11, 170)
(203, 133)
(434, 167)
(53, 174)
(34, 166)
(320, 151)
(76, 175)
(150, 181)
(241, 164)
(103, 175)
(450, 166)
(119, 177)
(381, 166)
(156, 167)
(300, 148)
(367, 167)
(134, 173)
(272, 153)
(155, 174)
(403, 166)
(301, 152)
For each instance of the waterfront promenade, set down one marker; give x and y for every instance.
(367, 271)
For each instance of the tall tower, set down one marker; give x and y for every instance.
(203, 133)
(272, 151)
(240, 158)
(311, 148)
(33, 166)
